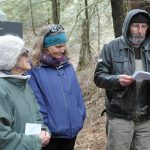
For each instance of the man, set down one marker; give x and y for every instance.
(127, 100)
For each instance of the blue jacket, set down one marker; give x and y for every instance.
(61, 102)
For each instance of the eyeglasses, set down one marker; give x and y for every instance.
(137, 26)
(55, 29)
(25, 52)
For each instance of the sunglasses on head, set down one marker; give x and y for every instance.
(55, 29)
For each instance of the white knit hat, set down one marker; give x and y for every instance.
(10, 48)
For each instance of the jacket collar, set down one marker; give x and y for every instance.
(64, 64)
(18, 80)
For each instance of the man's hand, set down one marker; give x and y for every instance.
(125, 80)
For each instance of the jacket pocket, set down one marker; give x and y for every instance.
(81, 113)
(119, 94)
(116, 98)
(120, 65)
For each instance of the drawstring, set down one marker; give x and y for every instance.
(147, 61)
(131, 66)
(129, 63)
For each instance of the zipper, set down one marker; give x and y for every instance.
(145, 66)
(136, 109)
(27, 103)
(64, 96)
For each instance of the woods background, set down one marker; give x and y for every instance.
(89, 24)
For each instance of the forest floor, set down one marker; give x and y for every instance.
(92, 136)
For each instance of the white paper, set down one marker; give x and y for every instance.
(141, 75)
(32, 128)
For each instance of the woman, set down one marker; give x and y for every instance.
(56, 88)
(18, 108)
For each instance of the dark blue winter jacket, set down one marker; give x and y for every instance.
(61, 102)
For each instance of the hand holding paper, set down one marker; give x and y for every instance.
(35, 129)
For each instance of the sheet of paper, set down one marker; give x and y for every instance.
(141, 75)
(32, 128)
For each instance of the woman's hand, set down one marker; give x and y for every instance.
(45, 137)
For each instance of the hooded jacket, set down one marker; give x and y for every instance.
(117, 57)
(59, 95)
(17, 107)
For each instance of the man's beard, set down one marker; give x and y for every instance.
(136, 39)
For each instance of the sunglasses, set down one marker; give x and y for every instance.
(55, 29)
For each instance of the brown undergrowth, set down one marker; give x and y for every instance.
(92, 136)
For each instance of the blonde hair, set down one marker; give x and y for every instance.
(38, 48)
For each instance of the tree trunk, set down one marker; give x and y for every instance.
(85, 51)
(56, 11)
(119, 10)
(88, 31)
(32, 18)
(98, 29)
(84, 47)
(49, 16)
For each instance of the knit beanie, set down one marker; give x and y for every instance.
(140, 18)
(10, 48)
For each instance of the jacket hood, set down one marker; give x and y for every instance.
(128, 18)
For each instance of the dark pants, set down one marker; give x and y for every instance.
(60, 144)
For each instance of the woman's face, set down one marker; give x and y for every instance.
(56, 51)
(23, 62)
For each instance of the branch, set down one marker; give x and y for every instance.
(79, 15)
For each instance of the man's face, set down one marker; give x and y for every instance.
(138, 28)
(137, 33)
